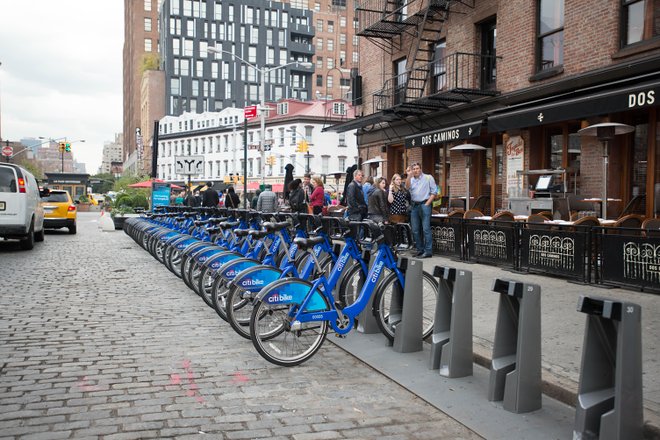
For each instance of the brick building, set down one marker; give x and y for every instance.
(520, 78)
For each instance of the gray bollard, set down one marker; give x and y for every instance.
(515, 373)
(451, 342)
(366, 320)
(407, 310)
(609, 404)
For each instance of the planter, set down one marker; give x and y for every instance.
(119, 220)
(84, 207)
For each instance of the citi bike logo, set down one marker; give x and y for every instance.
(279, 297)
(342, 262)
(376, 271)
(252, 282)
(230, 273)
(215, 265)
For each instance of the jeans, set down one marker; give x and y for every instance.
(420, 222)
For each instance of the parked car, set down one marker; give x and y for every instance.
(59, 211)
(21, 214)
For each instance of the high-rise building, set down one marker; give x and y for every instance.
(140, 52)
(264, 34)
(112, 153)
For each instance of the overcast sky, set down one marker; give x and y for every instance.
(61, 72)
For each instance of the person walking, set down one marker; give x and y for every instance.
(190, 199)
(307, 188)
(267, 201)
(317, 198)
(368, 187)
(356, 206)
(210, 196)
(255, 198)
(422, 193)
(377, 206)
(399, 199)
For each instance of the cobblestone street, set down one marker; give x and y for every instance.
(98, 339)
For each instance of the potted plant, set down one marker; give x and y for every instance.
(125, 206)
(83, 203)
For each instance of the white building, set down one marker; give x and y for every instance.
(219, 138)
(112, 152)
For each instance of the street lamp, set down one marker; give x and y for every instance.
(262, 71)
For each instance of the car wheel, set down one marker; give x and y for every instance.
(39, 236)
(28, 242)
(73, 229)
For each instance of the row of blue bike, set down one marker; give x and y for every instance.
(283, 280)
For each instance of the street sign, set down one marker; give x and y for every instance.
(189, 165)
(250, 112)
(7, 151)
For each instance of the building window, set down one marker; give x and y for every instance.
(319, 25)
(319, 62)
(339, 108)
(342, 141)
(331, 44)
(147, 24)
(319, 44)
(147, 44)
(439, 67)
(550, 34)
(319, 80)
(331, 26)
(641, 20)
(331, 63)
(329, 81)
(339, 3)
(283, 108)
(147, 5)
(325, 164)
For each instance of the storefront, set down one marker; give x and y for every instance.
(75, 184)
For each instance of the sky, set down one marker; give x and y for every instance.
(61, 72)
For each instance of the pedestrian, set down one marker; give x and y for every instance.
(178, 200)
(317, 198)
(267, 201)
(377, 205)
(349, 178)
(367, 188)
(210, 196)
(307, 189)
(357, 207)
(190, 199)
(232, 200)
(253, 202)
(422, 193)
(399, 199)
(297, 197)
(288, 178)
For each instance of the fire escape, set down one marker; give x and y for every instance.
(428, 84)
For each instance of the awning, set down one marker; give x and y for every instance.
(445, 134)
(356, 123)
(601, 103)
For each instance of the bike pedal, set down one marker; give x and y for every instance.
(337, 335)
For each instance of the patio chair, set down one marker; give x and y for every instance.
(506, 216)
(472, 213)
(457, 213)
(575, 205)
(651, 227)
(560, 209)
(636, 205)
(546, 214)
(537, 221)
(482, 203)
(632, 221)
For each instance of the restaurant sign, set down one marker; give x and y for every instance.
(447, 134)
(560, 252)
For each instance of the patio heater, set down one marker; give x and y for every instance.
(468, 151)
(605, 132)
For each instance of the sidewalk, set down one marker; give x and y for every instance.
(562, 337)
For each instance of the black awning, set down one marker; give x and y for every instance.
(610, 101)
(356, 123)
(445, 134)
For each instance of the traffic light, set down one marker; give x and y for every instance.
(303, 147)
(67, 147)
(62, 147)
(270, 160)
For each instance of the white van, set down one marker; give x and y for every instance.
(21, 214)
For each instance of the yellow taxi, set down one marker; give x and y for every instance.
(59, 210)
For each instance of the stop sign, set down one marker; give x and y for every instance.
(7, 151)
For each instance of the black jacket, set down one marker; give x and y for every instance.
(378, 209)
(357, 207)
(210, 198)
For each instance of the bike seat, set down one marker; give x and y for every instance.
(229, 225)
(241, 232)
(258, 233)
(306, 243)
(180, 218)
(200, 222)
(217, 220)
(272, 227)
(213, 230)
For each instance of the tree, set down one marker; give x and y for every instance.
(106, 183)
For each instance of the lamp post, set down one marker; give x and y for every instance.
(262, 93)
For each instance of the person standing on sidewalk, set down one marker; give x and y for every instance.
(267, 201)
(377, 202)
(357, 207)
(316, 199)
(399, 199)
(422, 193)
(210, 196)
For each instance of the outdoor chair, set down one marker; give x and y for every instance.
(635, 206)
(651, 227)
(482, 203)
(537, 221)
(456, 214)
(472, 213)
(506, 216)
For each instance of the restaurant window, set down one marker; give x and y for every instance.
(641, 20)
(550, 43)
(399, 80)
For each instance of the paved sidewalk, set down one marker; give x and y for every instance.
(562, 329)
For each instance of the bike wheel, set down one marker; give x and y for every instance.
(350, 285)
(219, 296)
(239, 305)
(383, 300)
(276, 341)
(205, 285)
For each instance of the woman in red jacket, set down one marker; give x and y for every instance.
(317, 197)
